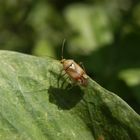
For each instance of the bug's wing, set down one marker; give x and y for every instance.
(73, 74)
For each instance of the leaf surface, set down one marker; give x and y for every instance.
(35, 104)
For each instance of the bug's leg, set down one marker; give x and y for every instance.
(81, 64)
(65, 81)
(71, 85)
(61, 75)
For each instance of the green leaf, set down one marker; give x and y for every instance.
(91, 27)
(36, 105)
(132, 79)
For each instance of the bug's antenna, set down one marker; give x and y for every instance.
(63, 44)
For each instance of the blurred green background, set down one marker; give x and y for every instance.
(103, 34)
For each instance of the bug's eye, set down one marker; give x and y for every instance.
(62, 61)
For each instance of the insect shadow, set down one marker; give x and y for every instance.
(64, 94)
(63, 98)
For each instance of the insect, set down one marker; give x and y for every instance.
(75, 72)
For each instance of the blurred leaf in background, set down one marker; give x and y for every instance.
(91, 26)
(104, 35)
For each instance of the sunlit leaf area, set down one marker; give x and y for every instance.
(37, 104)
(102, 34)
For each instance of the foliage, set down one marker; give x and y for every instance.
(35, 104)
(103, 34)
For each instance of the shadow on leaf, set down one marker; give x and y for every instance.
(63, 98)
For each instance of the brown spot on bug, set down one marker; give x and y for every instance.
(75, 72)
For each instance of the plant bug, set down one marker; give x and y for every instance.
(75, 72)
